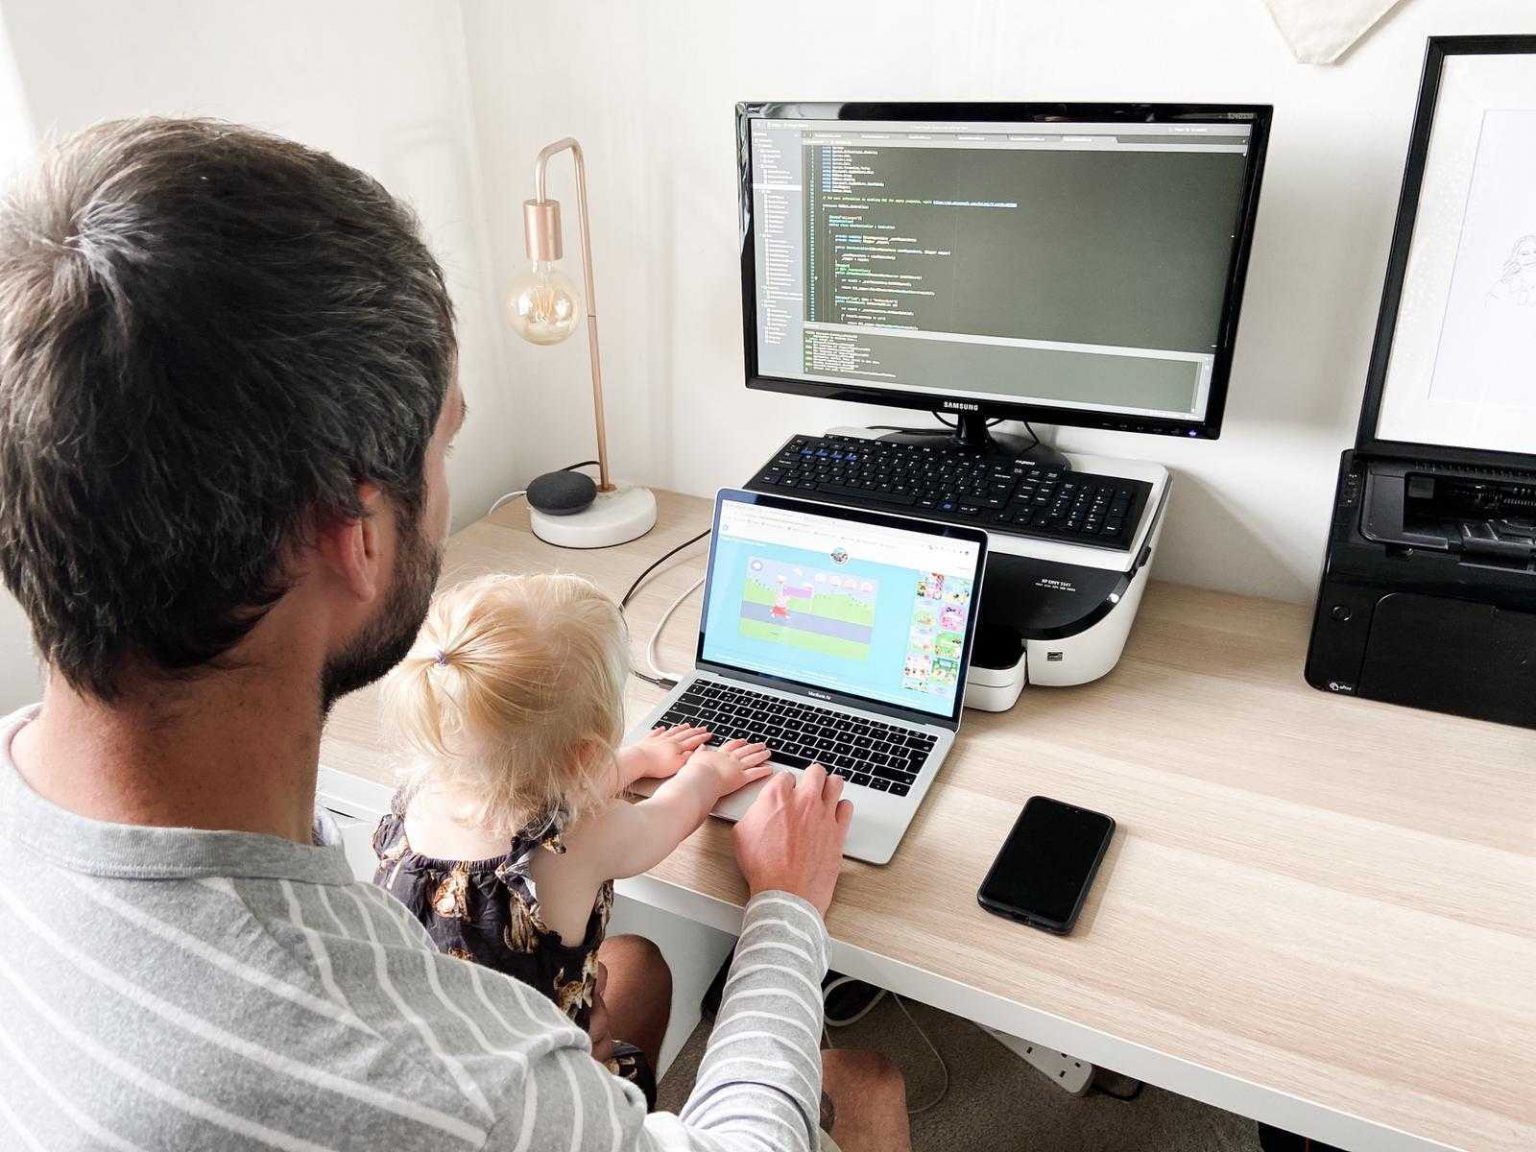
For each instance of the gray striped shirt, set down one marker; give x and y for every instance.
(178, 989)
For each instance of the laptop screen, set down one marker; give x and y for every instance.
(845, 602)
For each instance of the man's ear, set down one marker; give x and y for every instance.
(352, 549)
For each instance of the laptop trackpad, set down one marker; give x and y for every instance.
(734, 806)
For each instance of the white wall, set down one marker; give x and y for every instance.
(649, 88)
(18, 671)
(380, 83)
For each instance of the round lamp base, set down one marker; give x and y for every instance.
(615, 517)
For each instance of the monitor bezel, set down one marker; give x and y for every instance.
(829, 695)
(1257, 116)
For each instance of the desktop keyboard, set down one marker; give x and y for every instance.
(961, 485)
(871, 753)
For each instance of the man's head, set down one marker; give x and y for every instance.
(225, 360)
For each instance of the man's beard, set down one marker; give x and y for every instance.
(385, 640)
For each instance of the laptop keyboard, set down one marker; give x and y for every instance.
(870, 753)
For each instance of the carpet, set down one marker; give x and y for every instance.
(997, 1103)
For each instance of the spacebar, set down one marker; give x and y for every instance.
(789, 759)
(864, 494)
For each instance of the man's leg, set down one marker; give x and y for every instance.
(638, 993)
(869, 1101)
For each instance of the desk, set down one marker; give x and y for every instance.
(1319, 912)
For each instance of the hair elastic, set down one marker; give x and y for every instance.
(442, 657)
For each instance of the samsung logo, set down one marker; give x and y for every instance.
(961, 406)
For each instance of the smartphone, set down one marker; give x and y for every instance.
(1046, 866)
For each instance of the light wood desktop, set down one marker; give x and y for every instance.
(1319, 912)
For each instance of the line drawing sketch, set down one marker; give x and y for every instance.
(1518, 282)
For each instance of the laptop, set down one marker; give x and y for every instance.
(840, 637)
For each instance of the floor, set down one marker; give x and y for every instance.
(997, 1103)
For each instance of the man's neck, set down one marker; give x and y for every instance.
(228, 751)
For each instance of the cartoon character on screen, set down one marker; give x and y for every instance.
(780, 609)
(1518, 283)
(952, 618)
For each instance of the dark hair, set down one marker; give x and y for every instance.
(208, 337)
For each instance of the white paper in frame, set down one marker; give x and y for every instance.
(1462, 370)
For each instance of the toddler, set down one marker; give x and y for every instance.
(508, 834)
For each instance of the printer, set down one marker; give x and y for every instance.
(1428, 590)
(1428, 594)
(1055, 614)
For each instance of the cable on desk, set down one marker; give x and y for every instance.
(507, 499)
(650, 648)
(656, 675)
(629, 593)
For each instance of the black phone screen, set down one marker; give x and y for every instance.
(1047, 863)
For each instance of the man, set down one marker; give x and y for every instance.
(226, 394)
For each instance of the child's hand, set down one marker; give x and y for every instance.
(661, 753)
(733, 765)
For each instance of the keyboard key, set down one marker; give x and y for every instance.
(861, 778)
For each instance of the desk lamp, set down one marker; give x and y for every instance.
(566, 508)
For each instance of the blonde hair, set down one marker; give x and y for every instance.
(513, 692)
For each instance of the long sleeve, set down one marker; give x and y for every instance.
(759, 1085)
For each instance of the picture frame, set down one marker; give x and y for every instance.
(1453, 367)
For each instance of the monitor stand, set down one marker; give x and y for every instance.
(971, 432)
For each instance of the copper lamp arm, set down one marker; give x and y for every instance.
(569, 143)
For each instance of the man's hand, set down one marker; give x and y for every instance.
(660, 754)
(791, 839)
(733, 765)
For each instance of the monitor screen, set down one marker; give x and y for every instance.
(1076, 267)
(856, 608)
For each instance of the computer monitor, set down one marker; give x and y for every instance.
(1073, 264)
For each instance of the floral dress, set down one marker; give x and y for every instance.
(485, 911)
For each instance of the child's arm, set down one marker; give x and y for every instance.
(627, 839)
(660, 754)
(632, 838)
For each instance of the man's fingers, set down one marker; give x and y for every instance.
(832, 791)
(844, 814)
(815, 779)
(781, 782)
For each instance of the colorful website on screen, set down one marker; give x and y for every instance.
(872, 611)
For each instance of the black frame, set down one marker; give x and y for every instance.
(879, 519)
(1366, 440)
(1257, 116)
